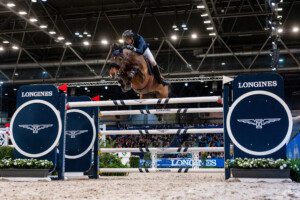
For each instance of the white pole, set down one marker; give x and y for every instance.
(164, 131)
(163, 150)
(153, 160)
(161, 111)
(133, 102)
(166, 170)
(102, 128)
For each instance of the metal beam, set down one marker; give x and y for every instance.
(248, 14)
(246, 53)
(182, 74)
(16, 31)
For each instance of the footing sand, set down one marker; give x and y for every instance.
(151, 186)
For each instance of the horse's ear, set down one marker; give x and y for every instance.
(115, 46)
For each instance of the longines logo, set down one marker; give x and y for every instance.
(259, 123)
(35, 128)
(140, 100)
(257, 84)
(37, 94)
(74, 133)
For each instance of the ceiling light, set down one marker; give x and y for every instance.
(274, 69)
(43, 26)
(210, 28)
(174, 37)
(60, 38)
(52, 32)
(186, 84)
(86, 43)
(207, 21)
(174, 26)
(206, 86)
(281, 60)
(223, 63)
(106, 87)
(104, 42)
(280, 30)
(44, 0)
(176, 29)
(80, 36)
(6, 94)
(200, 6)
(278, 9)
(5, 42)
(85, 88)
(33, 1)
(15, 89)
(68, 43)
(21, 12)
(204, 15)
(77, 33)
(194, 36)
(295, 29)
(273, 4)
(85, 33)
(211, 92)
(16, 74)
(32, 19)
(121, 41)
(15, 47)
(185, 28)
(10, 4)
(279, 16)
(212, 34)
(1, 48)
(89, 35)
(183, 25)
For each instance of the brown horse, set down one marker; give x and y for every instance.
(133, 70)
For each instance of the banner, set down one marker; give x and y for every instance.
(293, 148)
(184, 163)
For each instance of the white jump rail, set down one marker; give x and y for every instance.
(133, 102)
(161, 111)
(169, 150)
(163, 131)
(163, 170)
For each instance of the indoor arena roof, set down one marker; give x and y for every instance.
(69, 40)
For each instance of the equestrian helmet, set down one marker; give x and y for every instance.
(127, 34)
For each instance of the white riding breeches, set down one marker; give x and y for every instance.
(150, 57)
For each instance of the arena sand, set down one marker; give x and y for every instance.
(150, 186)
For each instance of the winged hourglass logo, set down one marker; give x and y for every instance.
(35, 128)
(74, 133)
(259, 123)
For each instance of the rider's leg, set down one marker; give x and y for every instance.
(155, 67)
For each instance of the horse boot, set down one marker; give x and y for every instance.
(132, 73)
(158, 76)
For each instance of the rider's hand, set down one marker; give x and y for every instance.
(132, 48)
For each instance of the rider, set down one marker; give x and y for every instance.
(136, 43)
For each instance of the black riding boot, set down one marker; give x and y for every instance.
(158, 76)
